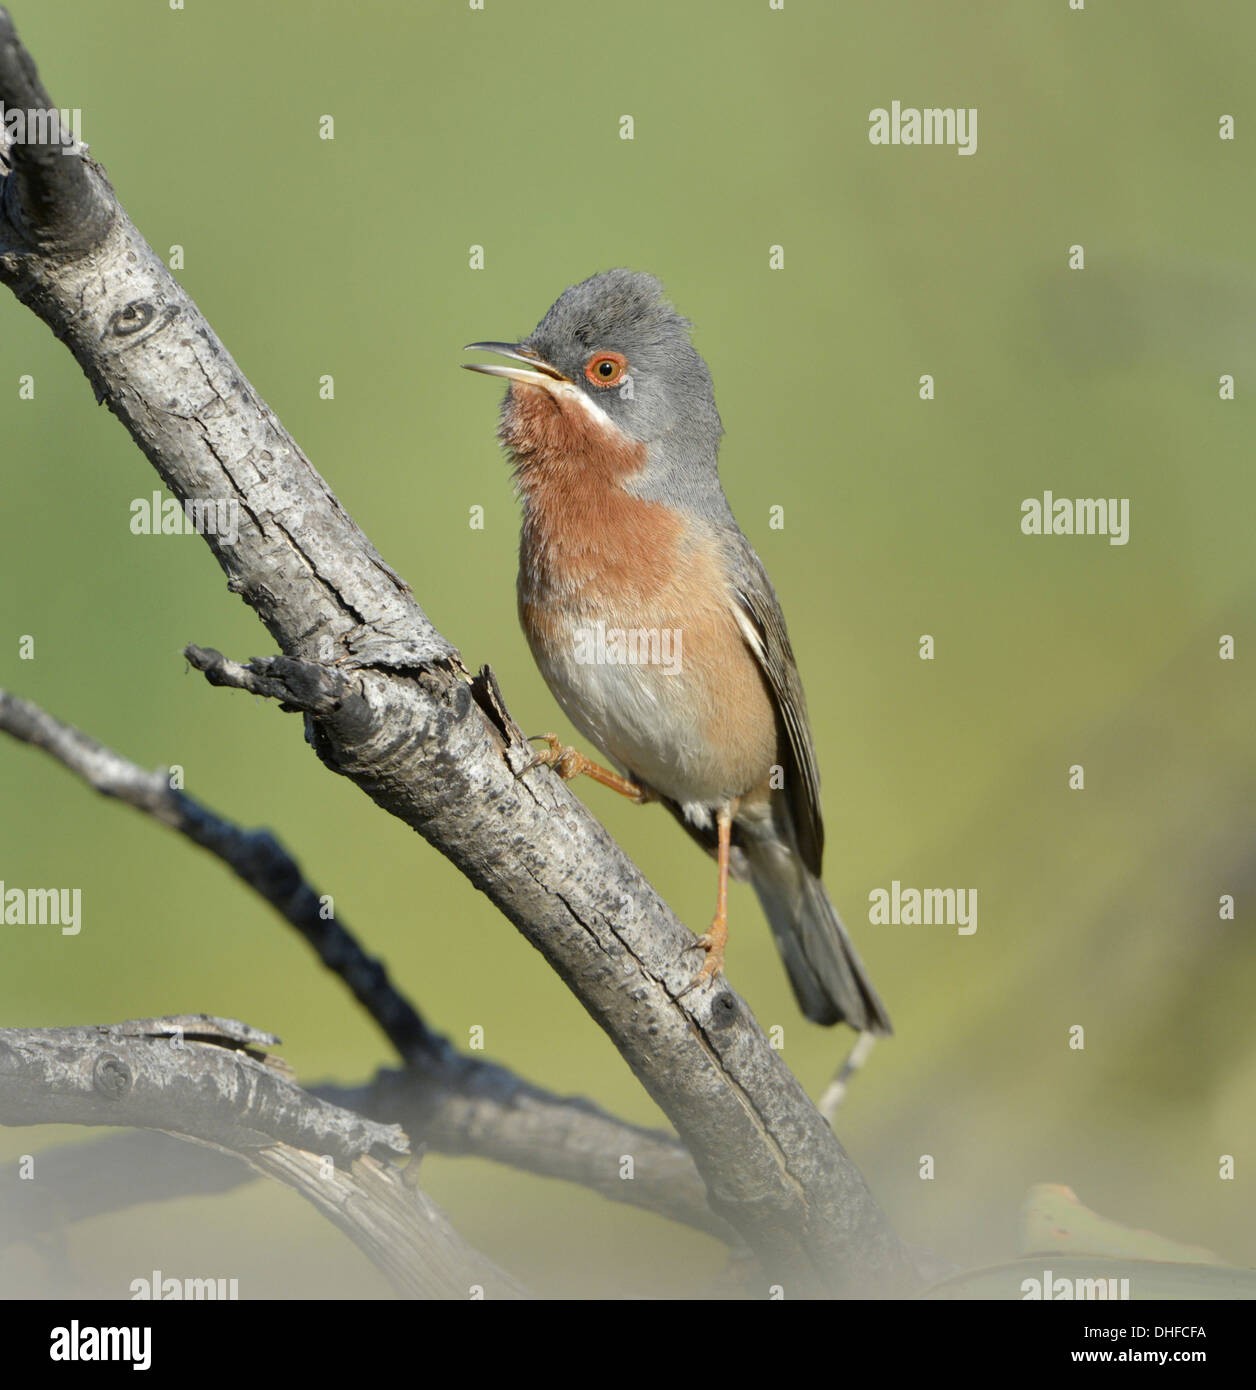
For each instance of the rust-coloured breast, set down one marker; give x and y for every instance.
(591, 552)
(583, 535)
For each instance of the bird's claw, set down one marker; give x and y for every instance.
(569, 762)
(712, 943)
(561, 757)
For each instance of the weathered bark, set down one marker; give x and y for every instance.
(389, 704)
(447, 1101)
(211, 1081)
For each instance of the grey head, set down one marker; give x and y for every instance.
(617, 340)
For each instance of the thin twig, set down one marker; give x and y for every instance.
(255, 856)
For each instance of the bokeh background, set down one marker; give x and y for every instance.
(500, 128)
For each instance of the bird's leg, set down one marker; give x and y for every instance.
(569, 762)
(714, 941)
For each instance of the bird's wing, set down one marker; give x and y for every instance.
(763, 625)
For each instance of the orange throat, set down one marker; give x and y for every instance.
(585, 540)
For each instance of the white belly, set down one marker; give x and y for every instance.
(648, 722)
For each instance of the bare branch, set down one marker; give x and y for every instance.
(254, 855)
(209, 1081)
(452, 1102)
(477, 1108)
(138, 1074)
(392, 709)
(49, 199)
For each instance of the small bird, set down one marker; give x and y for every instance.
(654, 623)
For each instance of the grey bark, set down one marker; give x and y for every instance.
(212, 1082)
(389, 704)
(447, 1101)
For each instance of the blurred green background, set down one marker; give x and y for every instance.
(500, 128)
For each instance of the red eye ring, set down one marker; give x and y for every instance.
(606, 368)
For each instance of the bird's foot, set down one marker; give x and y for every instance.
(569, 762)
(713, 943)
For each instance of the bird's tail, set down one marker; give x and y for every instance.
(828, 977)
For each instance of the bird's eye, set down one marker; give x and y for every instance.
(606, 368)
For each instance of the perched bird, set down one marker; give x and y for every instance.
(654, 622)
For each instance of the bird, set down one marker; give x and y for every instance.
(654, 623)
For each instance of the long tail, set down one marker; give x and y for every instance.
(828, 977)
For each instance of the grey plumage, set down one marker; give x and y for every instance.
(667, 403)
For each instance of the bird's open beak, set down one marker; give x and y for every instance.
(540, 373)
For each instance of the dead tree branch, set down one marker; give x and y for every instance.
(388, 703)
(450, 1102)
(212, 1082)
